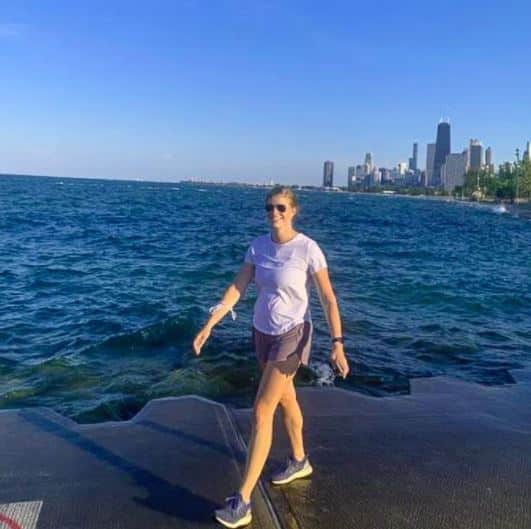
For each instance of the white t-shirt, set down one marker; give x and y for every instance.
(283, 276)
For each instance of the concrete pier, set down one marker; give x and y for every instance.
(450, 455)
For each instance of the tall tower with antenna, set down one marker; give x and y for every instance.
(442, 150)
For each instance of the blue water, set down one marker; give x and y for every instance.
(104, 283)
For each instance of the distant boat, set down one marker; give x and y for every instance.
(499, 208)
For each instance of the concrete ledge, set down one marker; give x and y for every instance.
(450, 455)
(169, 467)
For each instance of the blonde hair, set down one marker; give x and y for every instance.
(285, 191)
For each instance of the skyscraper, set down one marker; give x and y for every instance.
(527, 152)
(442, 150)
(351, 177)
(488, 160)
(430, 159)
(369, 162)
(453, 170)
(376, 176)
(328, 174)
(413, 161)
(475, 155)
(488, 156)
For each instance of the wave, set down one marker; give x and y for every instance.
(161, 334)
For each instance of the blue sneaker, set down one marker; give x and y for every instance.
(236, 512)
(291, 471)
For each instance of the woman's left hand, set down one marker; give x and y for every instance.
(339, 360)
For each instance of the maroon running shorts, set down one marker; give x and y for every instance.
(279, 347)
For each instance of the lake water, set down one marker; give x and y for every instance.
(104, 284)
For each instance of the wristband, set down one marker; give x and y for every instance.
(339, 339)
(220, 306)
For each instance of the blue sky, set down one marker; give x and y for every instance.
(253, 90)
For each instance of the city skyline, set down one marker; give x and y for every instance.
(476, 156)
(253, 91)
(444, 169)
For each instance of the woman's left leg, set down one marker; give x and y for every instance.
(275, 378)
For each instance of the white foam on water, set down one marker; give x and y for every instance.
(324, 372)
(500, 209)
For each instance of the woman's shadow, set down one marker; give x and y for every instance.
(171, 499)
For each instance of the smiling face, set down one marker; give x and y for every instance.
(280, 211)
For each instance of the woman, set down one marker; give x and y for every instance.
(281, 264)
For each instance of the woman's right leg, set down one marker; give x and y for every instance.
(272, 385)
(292, 417)
(293, 421)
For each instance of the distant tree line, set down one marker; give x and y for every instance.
(511, 181)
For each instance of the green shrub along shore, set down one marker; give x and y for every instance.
(511, 183)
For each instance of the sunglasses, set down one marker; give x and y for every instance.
(279, 207)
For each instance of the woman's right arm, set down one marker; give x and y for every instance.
(232, 295)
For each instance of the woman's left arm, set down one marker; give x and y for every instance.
(329, 303)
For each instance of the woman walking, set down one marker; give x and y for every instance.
(281, 263)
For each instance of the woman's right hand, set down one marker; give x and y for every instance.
(200, 339)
